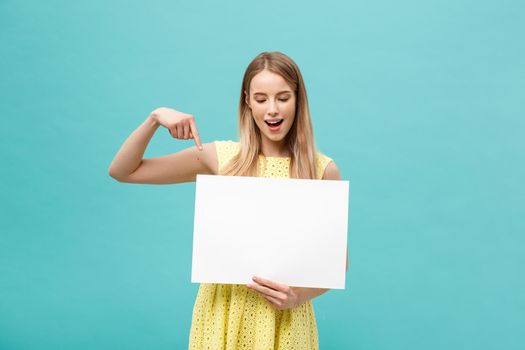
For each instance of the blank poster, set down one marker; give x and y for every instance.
(292, 231)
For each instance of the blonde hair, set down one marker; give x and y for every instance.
(300, 138)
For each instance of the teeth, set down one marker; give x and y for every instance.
(275, 122)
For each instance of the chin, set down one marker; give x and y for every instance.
(276, 137)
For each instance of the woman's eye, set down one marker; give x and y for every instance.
(280, 99)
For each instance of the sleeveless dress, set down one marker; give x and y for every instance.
(231, 316)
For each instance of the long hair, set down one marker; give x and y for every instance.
(300, 138)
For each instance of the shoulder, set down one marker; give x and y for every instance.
(226, 144)
(326, 168)
(331, 172)
(225, 149)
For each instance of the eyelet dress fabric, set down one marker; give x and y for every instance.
(231, 316)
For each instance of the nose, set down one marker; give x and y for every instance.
(273, 109)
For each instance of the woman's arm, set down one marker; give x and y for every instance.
(129, 166)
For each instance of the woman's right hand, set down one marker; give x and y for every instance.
(180, 125)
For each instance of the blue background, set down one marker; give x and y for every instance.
(419, 102)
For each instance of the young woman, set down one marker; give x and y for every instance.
(276, 140)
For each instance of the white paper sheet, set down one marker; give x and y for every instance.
(292, 231)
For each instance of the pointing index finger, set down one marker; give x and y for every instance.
(195, 134)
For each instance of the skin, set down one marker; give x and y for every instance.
(269, 97)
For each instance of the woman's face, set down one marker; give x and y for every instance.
(272, 102)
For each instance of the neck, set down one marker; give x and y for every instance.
(274, 148)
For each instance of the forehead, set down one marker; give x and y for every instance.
(267, 82)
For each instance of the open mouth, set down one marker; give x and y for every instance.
(275, 123)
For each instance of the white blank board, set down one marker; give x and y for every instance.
(292, 231)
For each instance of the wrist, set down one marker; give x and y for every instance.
(300, 295)
(305, 294)
(153, 120)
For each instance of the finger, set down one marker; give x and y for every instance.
(195, 133)
(274, 285)
(186, 128)
(267, 291)
(275, 303)
(191, 135)
(180, 131)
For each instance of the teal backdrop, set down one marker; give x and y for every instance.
(419, 102)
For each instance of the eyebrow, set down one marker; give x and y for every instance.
(280, 92)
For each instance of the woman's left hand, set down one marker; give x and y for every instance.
(279, 295)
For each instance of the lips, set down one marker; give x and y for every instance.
(274, 123)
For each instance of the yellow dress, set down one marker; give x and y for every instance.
(231, 316)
